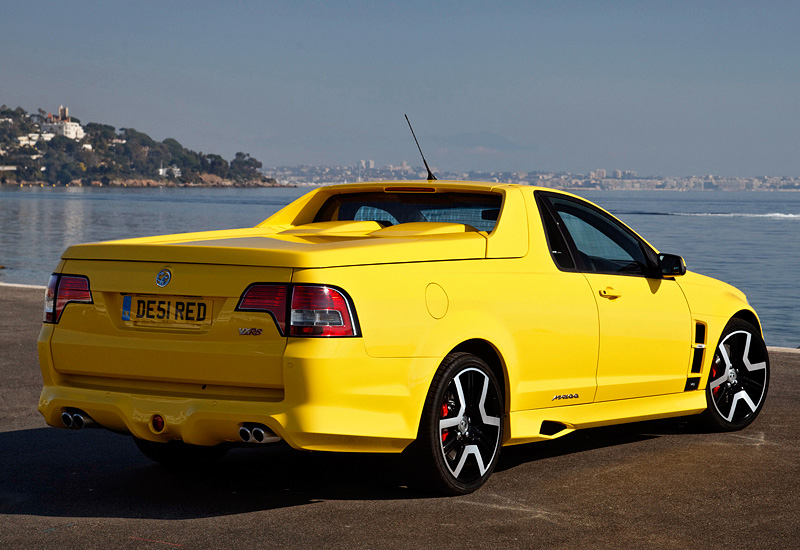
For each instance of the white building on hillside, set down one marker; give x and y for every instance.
(174, 170)
(62, 125)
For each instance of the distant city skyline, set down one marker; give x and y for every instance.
(656, 88)
(304, 175)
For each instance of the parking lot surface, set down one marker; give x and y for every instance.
(662, 484)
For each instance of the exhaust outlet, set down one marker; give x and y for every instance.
(252, 432)
(258, 435)
(81, 420)
(66, 419)
(77, 419)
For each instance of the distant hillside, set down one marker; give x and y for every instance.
(108, 156)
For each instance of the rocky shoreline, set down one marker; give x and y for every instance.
(206, 181)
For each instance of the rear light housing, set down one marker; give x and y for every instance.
(320, 311)
(269, 299)
(303, 310)
(63, 290)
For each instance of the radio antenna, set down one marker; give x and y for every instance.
(431, 177)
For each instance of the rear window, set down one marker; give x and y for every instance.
(479, 210)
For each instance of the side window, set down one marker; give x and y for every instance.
(603, 246)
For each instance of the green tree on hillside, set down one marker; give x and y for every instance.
(244, 167)
(106, 153)
(216, 165)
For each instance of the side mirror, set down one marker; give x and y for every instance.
(671, 265)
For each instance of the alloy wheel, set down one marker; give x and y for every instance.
(470, 424)
(739, 377)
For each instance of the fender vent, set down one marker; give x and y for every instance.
(699, 348)
(700, 334)
(691, 384)
(697, 361)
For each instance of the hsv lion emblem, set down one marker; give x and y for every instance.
(163, 278)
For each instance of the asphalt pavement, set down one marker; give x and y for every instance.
(663, 484)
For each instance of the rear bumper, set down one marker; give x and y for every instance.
(335, 398)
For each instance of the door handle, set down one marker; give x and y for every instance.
(610, 293)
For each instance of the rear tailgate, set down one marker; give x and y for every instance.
(187, 332)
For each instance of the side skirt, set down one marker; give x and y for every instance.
(550, 423)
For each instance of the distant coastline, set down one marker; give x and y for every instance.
(150, 183)
(44, 149)
(58, 150)
(600, 179)
(218, 183)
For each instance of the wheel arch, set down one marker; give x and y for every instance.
(750, 317)
(492, 356)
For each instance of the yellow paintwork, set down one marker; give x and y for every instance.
(620, 347)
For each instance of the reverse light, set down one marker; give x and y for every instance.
(62, 290)
(320, 311)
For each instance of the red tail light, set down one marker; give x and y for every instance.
(320, 311)
(62, 290)
(312, 310)
(268, 298)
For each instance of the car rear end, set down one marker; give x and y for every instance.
(253, 335)
(220, 353)
(121, 349)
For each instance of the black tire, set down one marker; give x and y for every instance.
(739, 378)
(179, 454)
(461, 429)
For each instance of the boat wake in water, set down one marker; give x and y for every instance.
(770, 215)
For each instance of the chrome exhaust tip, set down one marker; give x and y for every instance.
(258, 435)
(252, 432)
(66, 419)
(77, 419)
(80, 421)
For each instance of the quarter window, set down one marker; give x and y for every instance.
(558, 246)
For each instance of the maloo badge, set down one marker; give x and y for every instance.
(164, 277)
(567, 396)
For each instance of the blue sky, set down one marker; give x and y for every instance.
(662, 88)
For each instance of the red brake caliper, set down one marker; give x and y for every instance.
(714, 377)
(445, 410)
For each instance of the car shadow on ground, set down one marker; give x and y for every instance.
(95, 473)
(597, 438)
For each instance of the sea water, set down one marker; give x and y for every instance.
(749, 239)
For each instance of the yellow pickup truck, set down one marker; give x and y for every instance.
(442, 319)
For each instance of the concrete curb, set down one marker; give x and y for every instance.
(783, 350)
(17, 285)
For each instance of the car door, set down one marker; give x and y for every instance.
(644, 319)
(556, 328)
